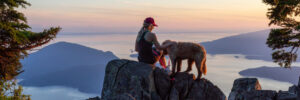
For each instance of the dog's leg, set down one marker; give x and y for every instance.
(190, 65)
(198, 61)
(179, 61)
(173, 61)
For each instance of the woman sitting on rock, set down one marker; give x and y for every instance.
(144, 44)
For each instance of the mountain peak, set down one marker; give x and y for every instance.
(252, 45)
(64, 59)
(67, 46)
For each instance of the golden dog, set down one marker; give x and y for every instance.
(193, 52)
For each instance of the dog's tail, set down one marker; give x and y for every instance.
(204, 69)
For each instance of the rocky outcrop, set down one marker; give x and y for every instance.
(250, 89)
(204, 90)
(95, 98)
(285, 95)
(295, 90)
(243, 85)
(130, 80)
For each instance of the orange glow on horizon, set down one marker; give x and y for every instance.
(204, 16)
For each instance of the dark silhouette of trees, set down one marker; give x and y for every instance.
(285, 39)
(15, 41)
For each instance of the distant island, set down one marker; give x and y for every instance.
(252, 45)
(276, 73)
(66, 64)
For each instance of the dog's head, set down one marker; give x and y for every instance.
(165, 42)
(165, 51)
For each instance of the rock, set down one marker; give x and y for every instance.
(95, 98)
(246, 84)
(124, 96)
(128, 80)
(295, 90)
(298, 93)
(174, 95)
(243, 85)
(182, 84)
(299, 82)
(257, 95)
(205, 90)
(250, 89)
(162, 83)
(285, 95)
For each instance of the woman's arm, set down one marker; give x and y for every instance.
(155, 42)
(158, 46)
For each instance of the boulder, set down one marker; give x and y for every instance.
(128, 80)
(174, 95)
(299, 82)
(204, 90)
(243, 85)
(183, 84)
(298, 92)
(285, 95)
(250, 89)
(257, 95)
(295, 90)
(94, 98)
(162, 83)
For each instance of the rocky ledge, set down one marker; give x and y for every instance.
(130, 80)
(250, 89)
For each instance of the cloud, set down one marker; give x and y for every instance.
(56, 93)
(187, 15)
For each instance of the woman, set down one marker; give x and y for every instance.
(144, 44)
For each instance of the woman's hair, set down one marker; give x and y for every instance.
(144, 27)
(142, 30)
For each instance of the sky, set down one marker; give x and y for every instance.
(126, 16)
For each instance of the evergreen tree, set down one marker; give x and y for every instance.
(15, 41)
(9, 90)
(285, 39)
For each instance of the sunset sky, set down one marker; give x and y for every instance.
(125, 16)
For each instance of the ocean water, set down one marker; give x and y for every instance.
(222, 69)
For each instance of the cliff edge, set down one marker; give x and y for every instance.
(130, 80)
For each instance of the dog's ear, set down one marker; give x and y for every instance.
(165, 42)
(169, 43)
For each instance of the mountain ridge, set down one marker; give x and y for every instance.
(281, 74)
(252, 45)
(66, 64)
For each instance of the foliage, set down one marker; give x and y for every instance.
(11, 91)
(284, 40)
(15, 41)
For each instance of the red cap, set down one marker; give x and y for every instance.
(150, 20)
